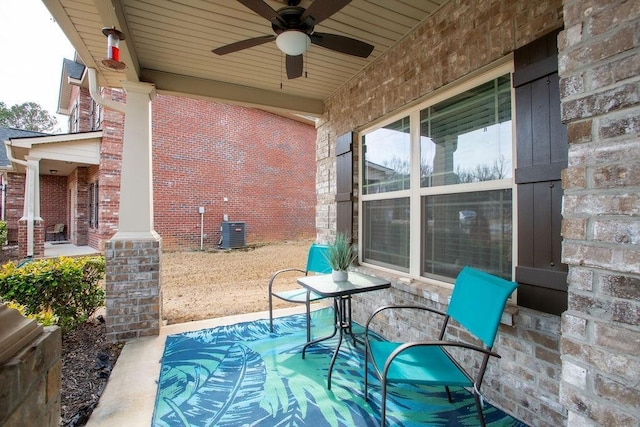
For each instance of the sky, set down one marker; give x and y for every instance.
(33, 48)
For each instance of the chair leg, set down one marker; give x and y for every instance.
(270, 312)
(366, 372)
(448, 394)
(476, 396)
(383, 403)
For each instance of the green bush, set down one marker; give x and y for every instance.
(45, 317)
(68, 286)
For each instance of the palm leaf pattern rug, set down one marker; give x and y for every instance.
(243, 375)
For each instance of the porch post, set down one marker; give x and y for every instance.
(30, 227)
(133, 306)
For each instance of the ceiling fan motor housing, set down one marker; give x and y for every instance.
(291, 16)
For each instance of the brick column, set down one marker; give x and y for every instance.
(599, 70)
(133, 291)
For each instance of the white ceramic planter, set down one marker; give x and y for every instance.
(339, 275)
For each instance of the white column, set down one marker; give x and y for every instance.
(136, 182)
(31, 210)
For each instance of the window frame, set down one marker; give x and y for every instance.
(416, 192)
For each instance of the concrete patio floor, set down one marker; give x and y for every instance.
(129, 397)
(55, 249)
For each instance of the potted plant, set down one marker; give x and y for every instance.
(340, 255)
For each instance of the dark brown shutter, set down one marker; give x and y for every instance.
(344, 184)
(542, 151)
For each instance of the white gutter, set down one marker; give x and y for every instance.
(28, 208)
(94, 90)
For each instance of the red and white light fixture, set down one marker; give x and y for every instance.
(112, 61)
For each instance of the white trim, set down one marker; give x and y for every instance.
(30, 141)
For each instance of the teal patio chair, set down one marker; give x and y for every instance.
(477, 303)
(316, 263)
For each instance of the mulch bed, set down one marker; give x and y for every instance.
(87, 361)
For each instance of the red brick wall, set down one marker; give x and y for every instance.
(14, 204)
(53, 200)
(204, 152)
(108, 174)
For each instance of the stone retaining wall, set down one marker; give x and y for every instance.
(30, 383)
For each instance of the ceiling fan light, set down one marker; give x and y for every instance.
(293, 42)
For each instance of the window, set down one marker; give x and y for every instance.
(74, 119)
(437, 184)
(93, 204)
(96, 111)
(387, 169)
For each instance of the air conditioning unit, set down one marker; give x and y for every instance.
(233, 235)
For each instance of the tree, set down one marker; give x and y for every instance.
(27, 116)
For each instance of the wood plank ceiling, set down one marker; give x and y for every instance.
(169, 43)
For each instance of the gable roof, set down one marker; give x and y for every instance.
(72, 71)
(6, 133)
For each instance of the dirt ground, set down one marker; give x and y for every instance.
(202, 285)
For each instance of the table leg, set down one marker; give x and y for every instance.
(343, 306)
(335, 329)
(340, 317)
(343, 323)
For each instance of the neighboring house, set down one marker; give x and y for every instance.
(235, 163)
(12, 192)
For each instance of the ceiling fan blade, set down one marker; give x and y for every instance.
(320, 10)
(342, 44)
(264, 10)
(243, 44)
(294, 66)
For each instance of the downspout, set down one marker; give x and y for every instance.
(29, 212)
(94, 90)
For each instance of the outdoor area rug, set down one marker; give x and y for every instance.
(243, 375)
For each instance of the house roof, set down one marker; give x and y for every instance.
(72, 72)
(170, 44)
(6, 133)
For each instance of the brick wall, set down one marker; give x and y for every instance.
(53, 200)
(108, 174)
(255, 167)
(460, 38)
(599, 70)
(14, 204)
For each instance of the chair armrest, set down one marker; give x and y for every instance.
(401, 307)
(275, 275)
(464, 345)
(476, 382)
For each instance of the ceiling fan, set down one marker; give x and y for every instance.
(294, 32)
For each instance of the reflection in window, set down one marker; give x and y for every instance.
(467, 229)
(467, 138)
(462, 208)
(387, 158)
(386, 233)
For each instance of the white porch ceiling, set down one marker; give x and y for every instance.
(169, 43)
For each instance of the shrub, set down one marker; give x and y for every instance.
(45, 317)
(68, 286)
